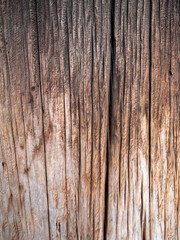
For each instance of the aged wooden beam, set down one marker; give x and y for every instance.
(143, 160)
(89, 119)
(23, 199)
(128, 159)
(74, 49)
(165, 121)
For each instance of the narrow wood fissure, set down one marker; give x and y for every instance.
(150, 76)
(42, 110)
(65, 120)
(92, 75)
(112, 49)
(65, 136)
(106, 192)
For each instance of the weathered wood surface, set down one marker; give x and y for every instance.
(89, 119)
(144, 160)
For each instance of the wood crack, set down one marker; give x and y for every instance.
(42, 111)
(150, 77)
(112, 49)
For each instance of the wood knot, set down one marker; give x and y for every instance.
(22, 146)
(21, 187)
(26, 170)
(33, 88)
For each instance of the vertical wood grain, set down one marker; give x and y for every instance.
(128, 158)
(89, 119)
(74, 44)
(165, 121)
(23, 199)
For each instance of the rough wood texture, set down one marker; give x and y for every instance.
(89, 119)
(143, 160)
(128, 159)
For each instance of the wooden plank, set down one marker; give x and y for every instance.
(75, 69)
(128, 158)
(165, 121)
(89, 119)
(23, 199)
(143, 166)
